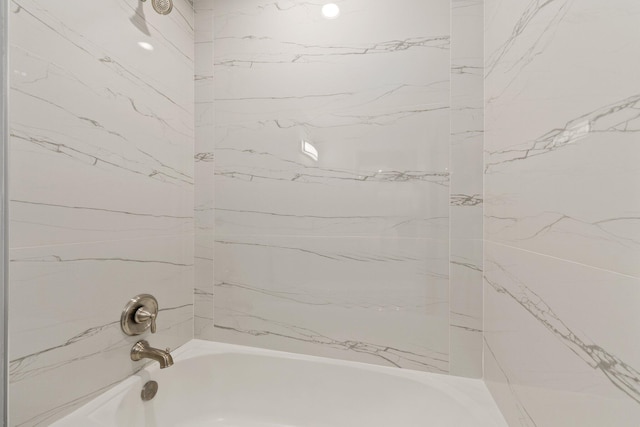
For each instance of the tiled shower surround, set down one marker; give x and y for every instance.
(352, 177)
(562, 211)
(348, 242)
(350, 245)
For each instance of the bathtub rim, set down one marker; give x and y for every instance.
(474, 391)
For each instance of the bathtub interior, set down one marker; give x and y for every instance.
(215, 384)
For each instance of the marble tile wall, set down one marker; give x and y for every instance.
(101, 193)
(332, 179)
(562, 211)
(466, 187)
(204, 170)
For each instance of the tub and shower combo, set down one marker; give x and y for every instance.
(218, 384)
(205, 383)
(340, 213)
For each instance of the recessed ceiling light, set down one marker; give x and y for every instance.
(330, 10)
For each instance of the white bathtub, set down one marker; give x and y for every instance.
(214, 384)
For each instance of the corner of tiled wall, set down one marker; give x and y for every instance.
(204, 169)
(466, 202)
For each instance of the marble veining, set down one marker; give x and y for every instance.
(95, 160)
(328, 255)
(338, 290)
(389, 355)
(531, 34)
(595, 373)
(622, 375)
(317, 53)
(620, 117)
(466, 199)
(561, 232)
(57, 259)
(30, 365)
(146, 215)
(364, 211)
(102, 193)
(320, 178)
(523, 417)
(614, 227)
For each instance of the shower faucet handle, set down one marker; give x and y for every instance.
(139, 314)
(143, 316)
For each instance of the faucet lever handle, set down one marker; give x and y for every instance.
(139, 314)
(143, 316)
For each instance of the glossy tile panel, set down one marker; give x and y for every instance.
(204, 170)
(369, 91)
(66, 341)
(562, 118)
(561, 210)
(559, 341)
(382, 301)
(466, 307)
(332, 179)
(95, 113)
(390, 205)
(466, 199)
(101, 192)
